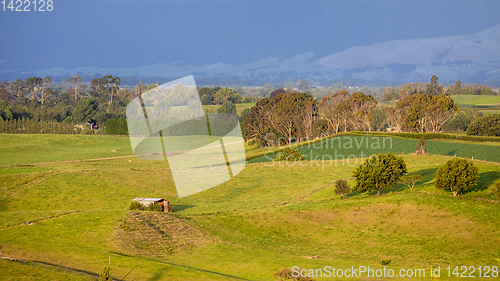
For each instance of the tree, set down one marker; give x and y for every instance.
(342, 188)
(425, 113)
(32, 85)
(246, 99)
(227, 107)
(433, 88)
(411, 181)
(308, 123)
(457, 175)
(151, 86)
(331, 113)
(379, 172)
(46, 81)
(85, 110)
(105, 275)
(302, 85)
(104, 89)
(4, 91)
(276, 93)
(206, 99)
(485, 126)
(421, 144)
(75, 80)
(139, 89)
(496, 189)
(360, 108)
(244, 113)
(18, 88)
(289, 154)
(460, 121)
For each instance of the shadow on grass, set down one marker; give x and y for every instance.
(177, 208)
(158, 275)
(427, 174)
(452, 153)
(486, 179)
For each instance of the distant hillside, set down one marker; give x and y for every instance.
(473, 57)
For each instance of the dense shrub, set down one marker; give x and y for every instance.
(460, 121)
(288, 274)
(134, 205)
(105, 275)
(496, 189)
(421, 144)
(289, 154)
(157, 207)
(342, 188)
(379, 172)
(227, 107)
(116, 127)
(485, 126)
(457, 175)
(33, 126)
(478, 138)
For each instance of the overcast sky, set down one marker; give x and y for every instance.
(125, 33)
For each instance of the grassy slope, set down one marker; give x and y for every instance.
(476, 99)
(239, 107)
(25, 149)
(267, 218)
(349, 147)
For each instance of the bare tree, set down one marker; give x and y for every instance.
(46, 81)
(330, 111)
(75, 80)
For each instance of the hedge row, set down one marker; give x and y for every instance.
(32, 126)
(116, 127)
(427, 136)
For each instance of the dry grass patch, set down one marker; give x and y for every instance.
(155, 234)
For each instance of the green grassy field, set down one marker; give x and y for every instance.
(27, 149)
(354, 147)
(474, 100)
(67, 219)
(490, 111)
(239, 107)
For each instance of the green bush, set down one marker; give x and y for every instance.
(379, 172)
(457, 175)
(485, 126)
(342, 188)
(478, 138)
(421, 144)
(288, 274)
(289, 154)
(116, 127)
(227, 107)
(496, 189)
(156, 207)
(105, 275)
(134, 205)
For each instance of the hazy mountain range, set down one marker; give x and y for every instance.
(255, 42)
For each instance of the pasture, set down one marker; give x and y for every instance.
(66, 219)
(239, 107)
(476, 100)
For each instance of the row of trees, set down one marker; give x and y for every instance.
(285, 117)
(395, 93)
(218, 95)
(39, 100)
(384, 171)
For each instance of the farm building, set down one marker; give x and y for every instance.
(146, 202)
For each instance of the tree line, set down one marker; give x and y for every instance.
(37, 105)
(287, 117)
(399, 92)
